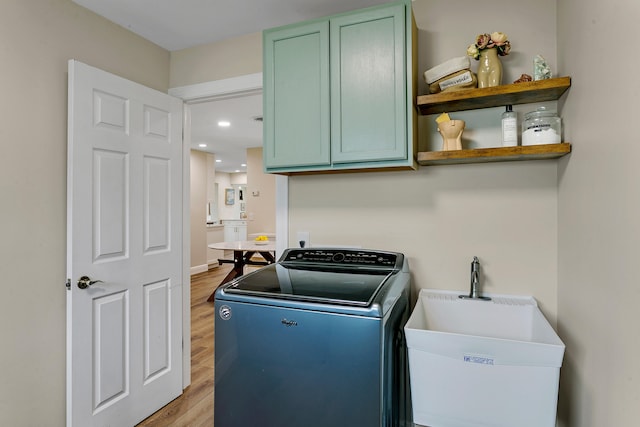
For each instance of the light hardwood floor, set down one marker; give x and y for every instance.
(194, 408)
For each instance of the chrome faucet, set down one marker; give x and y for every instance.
(475, 282)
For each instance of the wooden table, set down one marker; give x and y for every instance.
(242, 253)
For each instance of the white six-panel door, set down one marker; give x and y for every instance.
(124, 249)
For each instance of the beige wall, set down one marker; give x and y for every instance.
(198, 209)
(217, 61)
(440, 217)
(212, 195)
(442, 36)
(575, 240)
(599, 208)
(224, 181)
(261, 208)
(37, 38)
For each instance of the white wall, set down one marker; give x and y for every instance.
(599, 211)
(37, 38)
(228, 180)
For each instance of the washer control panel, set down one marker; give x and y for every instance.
(344, 257)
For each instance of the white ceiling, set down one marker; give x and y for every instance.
(229, 144)
(180, 24)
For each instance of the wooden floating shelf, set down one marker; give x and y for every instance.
(510, 94)
(498, 154)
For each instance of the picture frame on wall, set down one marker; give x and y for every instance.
(229, 196)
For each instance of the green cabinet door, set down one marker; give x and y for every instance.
(296, 97)
(368, 85)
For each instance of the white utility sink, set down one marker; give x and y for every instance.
(482, 363)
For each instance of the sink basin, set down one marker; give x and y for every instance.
(482, 363)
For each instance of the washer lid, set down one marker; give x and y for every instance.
(335, 285)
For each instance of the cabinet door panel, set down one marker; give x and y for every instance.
(368, 87)
(296, 94)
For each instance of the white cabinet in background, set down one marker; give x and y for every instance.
(215, 234)
(235, 230)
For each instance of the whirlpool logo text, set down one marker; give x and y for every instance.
(289, 323)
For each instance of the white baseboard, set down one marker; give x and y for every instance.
(199, 269)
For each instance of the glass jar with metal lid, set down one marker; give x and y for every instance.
(541, 127)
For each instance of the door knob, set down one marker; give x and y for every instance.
(85, 281)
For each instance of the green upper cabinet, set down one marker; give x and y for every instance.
(296, 97)
(338, 93)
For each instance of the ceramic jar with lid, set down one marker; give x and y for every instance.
(541, 127)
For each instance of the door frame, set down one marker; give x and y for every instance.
(249, 84)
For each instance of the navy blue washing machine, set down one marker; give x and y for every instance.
(314, 340)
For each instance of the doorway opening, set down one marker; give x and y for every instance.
(199, 93)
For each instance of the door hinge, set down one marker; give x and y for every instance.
(68, 284)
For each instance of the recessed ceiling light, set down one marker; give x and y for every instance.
(224, 124)
(244, 165)
(237, 170)
(202, 145)
(218, 161)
